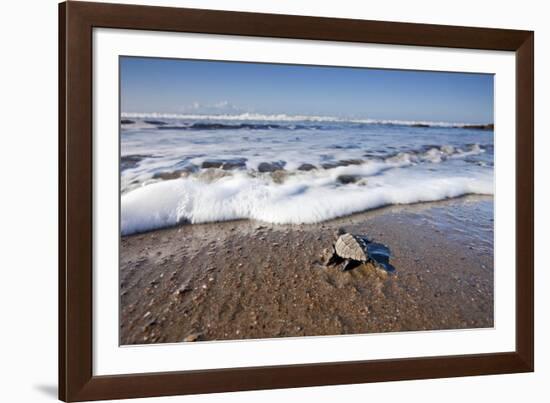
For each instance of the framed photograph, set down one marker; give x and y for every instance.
(252, 201)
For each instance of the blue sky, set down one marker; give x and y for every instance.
(210, 87)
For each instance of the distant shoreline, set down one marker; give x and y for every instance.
(488, 126)
(218, 126)
(158, 120)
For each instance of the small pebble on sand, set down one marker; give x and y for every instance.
(192, 337)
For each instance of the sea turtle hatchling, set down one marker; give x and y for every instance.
(353, 250)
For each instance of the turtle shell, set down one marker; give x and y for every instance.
(349, 246)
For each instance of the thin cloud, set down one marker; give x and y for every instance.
(216, 107)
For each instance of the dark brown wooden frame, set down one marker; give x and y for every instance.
(76, 22)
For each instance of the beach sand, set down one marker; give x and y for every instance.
(249, 280)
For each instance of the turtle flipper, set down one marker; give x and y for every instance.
(382, 261)
(333, 260)
(379, 255)
(384, 265)
(350, 264)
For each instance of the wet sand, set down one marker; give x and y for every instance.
(248, 280)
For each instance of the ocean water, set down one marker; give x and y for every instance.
(290, 169)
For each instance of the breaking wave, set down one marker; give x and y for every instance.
(290, 169)
(258, 117)
(305, 198)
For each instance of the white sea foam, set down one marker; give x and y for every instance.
(295, 157)
(302, 198)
